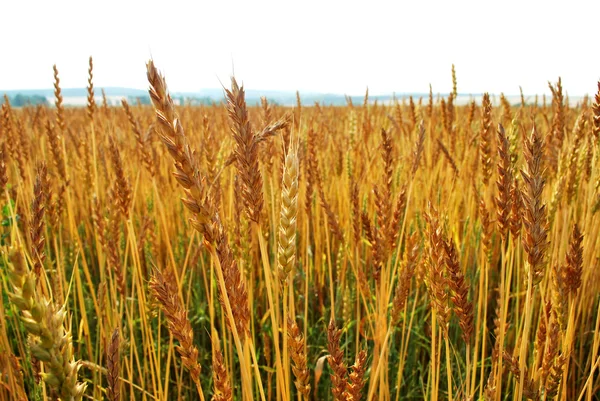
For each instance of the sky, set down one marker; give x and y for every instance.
(322, 46)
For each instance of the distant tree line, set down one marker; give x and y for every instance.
(20, 100)
(179, 100)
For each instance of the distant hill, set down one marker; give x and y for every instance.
(78, 96)
(77, 92)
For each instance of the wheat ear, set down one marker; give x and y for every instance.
(356, 378)
(113, 367)
(485, 145)
(296, 345)
(178, 322)
(222, 385)
(51, 341)
(286, 251)
(246, 151)
(336, 361)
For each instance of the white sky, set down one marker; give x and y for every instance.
(320, 46)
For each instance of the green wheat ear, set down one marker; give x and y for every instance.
(51, 341)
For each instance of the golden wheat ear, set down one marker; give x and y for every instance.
(178, 322)
(535, 220)
(503, 200)
(297, 347)
(246, 151)
(91, 102)
(356, 378)
(222, 385)
(336, 361)
(286, 251)
(187, 172)
(113, 367)
(485, 145)
(459, 287)
(596, 115)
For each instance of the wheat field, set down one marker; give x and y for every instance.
(418, 250)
